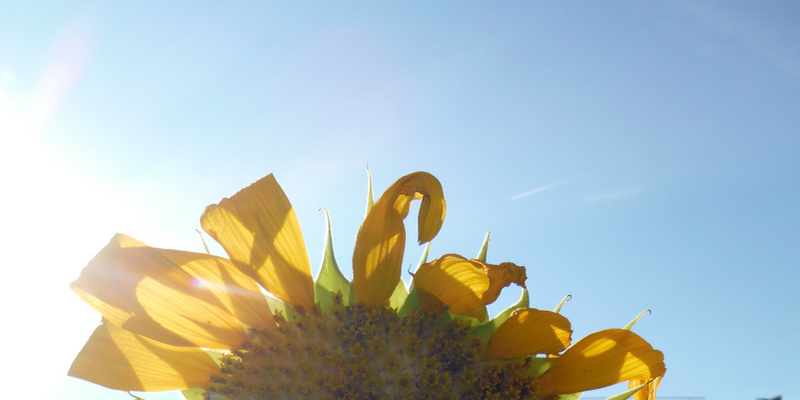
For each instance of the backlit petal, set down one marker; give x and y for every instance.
(530, 331)
(602, 359)
(378, 254)
(648, 392)
(145, 291)
(240, 294)
(118, 359)
(258, 229)
(500, 276)
(453, 281)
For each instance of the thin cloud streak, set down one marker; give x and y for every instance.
(547, 187)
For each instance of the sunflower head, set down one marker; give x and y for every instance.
(256, 325)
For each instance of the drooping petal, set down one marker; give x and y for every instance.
(648, 392)
(602, 359)
(453, 281)
(500, 276)
(133, 362)
(143, 290)
(258, 229)
(530, 331)
(378, 253)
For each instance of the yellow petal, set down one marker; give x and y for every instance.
(454, 281)
(648, 392)
(239, 293)
(258, 229)
(500, 276)
(602, 359)
(530, 331)
(144, 291)
(378, 254)
(121, 360)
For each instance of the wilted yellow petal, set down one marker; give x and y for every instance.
(500, 276)
(454, 281)
(648, 392)
(378, 253)
(258, 229)
(530, 331)
(144, 291)
(121, 360)
(602, 359)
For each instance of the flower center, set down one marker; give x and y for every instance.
(352, 352)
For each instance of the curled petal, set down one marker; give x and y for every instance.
(380, 243)
(133, 362)
(146, 291)
(530, 331)
(453, 281)
(258, 229)
(602, 359)
(501, 276)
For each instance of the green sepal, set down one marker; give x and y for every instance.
(558, 307)
(630, 324)
(571, 396)
(398, 296)
(482, 253)
(485, 330)
(629, 393)
(538, 365)
(195, 393)
(411, 301)
(331, 279)
(369, 190)
(279, 307)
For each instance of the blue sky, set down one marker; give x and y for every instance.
(633, 155)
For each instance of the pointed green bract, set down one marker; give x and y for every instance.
(410, 301)
(482, 253)
(630, 324)
(369, 191)
(571, 396)
(279, 307)
(485, 330)
(629, 393)
(564, 300)
(398, 296)
(330, 279)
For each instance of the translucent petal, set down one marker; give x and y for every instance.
(133, 362)
(530, 331)
(649, 391)
(378, 253)
(240, 294)
(145, 291)
(258, 229)
(602, 359)
(453, 281)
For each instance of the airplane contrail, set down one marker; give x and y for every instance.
(547, 187)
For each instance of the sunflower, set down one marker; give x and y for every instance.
(256, 325)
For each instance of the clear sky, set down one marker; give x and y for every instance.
(633, 154)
